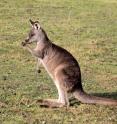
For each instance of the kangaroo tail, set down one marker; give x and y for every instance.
(90, 99)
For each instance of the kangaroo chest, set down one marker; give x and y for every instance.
(46, 68)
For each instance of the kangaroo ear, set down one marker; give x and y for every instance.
(36, 25)
(32, 23)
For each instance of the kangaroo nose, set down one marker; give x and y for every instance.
(26, 40)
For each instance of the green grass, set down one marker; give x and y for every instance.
(88, 29)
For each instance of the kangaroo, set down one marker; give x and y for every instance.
(62, 68)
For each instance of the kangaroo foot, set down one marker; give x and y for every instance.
(50, 103)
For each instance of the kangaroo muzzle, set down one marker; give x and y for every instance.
(27, 40)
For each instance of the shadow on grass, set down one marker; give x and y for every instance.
(112, 95)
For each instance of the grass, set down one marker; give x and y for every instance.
(87, 28)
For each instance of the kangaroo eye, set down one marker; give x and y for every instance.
(32, 35)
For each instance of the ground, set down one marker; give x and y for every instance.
(86, 28)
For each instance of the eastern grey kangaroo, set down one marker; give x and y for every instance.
(62, 68)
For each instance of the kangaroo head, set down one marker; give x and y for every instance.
(36, 34)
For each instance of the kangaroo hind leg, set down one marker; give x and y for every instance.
(55, 103)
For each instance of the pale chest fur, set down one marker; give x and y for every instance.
(46, 68)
